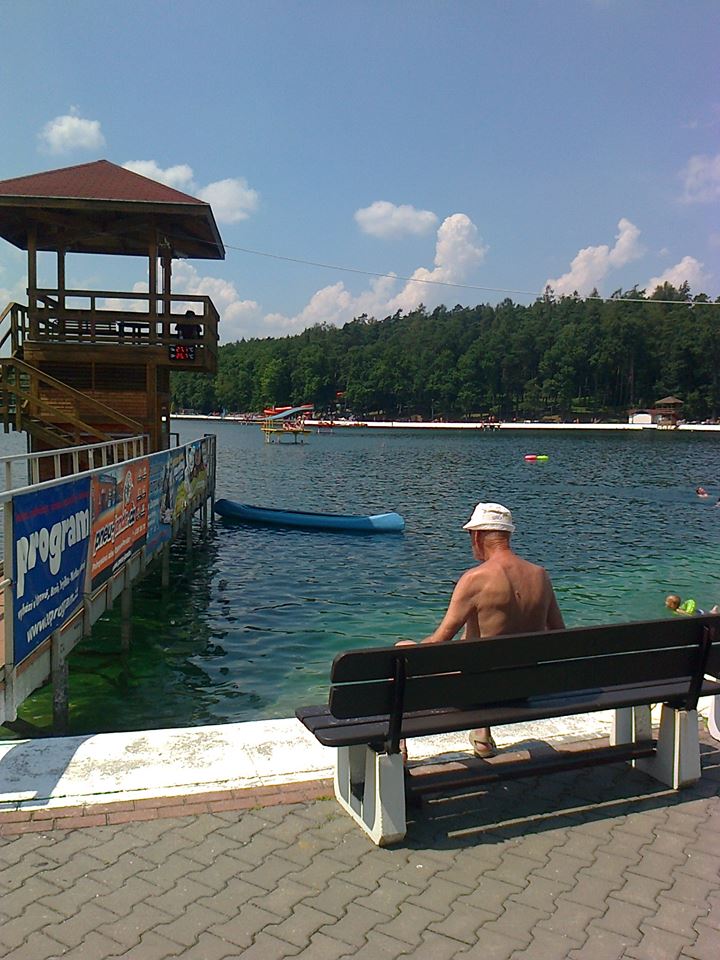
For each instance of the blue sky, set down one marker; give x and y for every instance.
(490, 146)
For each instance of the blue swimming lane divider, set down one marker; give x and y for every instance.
(73, 545)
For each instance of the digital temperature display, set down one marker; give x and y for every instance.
(182, 351)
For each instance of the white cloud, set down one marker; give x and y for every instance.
(179, 177)
(592, 264)
(71, 132)
(232, 199)
(457, 252)
(385, 219)
(689, 269)
(13, 277)
(237, 317)
(701, 179)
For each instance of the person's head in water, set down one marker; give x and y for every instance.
(672, 601)
(490, 525)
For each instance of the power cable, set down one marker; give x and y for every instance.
(450, 283)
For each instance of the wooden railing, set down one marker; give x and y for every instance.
(84, 316)
(38, 403)
(13, 320)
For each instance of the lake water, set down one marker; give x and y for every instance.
(255, 615)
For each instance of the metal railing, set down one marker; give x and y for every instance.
(20, 470)
(80, 460)
(71, 622)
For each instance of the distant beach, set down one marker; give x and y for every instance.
(484, 427)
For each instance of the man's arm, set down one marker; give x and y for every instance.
(554, 617)
(461, 606)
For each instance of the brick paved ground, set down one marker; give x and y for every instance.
(595, 865)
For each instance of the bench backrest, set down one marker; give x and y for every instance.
(471, 674)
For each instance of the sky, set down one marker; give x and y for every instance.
(352, 148)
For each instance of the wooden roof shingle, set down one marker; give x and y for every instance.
(99, 180)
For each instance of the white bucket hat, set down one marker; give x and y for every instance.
(490, 516)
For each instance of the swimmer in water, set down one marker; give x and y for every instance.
(701, 492)
(688, 608)
(675, 603)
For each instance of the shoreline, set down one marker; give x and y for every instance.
(149, 765)
(483, 428)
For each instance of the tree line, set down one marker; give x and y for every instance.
(566, 357)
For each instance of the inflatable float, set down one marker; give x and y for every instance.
(536, 456)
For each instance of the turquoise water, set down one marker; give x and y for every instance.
(255, 615)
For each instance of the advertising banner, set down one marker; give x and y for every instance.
(197, 458)
(51, 530)
(119, 498)
(179, 482)
(160, 502)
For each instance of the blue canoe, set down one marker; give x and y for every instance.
(379, 523)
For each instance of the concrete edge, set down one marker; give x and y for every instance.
(136, 775)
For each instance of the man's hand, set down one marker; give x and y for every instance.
(405, 643)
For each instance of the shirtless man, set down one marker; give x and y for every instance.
(503, 594)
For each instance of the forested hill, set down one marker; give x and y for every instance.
(568, 357)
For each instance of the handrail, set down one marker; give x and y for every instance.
(93, 321)
(85, 448)
(6, 495)
(135, 446)
(126, 295)
(8, 332)
(15, 329)
(44, 407)
(115, 416)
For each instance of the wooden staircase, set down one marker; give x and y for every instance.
(53, 413)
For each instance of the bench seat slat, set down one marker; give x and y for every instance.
(334, 732)
(466, 689)
(523, 649)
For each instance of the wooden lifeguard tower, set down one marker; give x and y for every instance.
(83, 366)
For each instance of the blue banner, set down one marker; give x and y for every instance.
(160, 505)
(51, 530)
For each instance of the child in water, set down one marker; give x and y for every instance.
(688, 608)
(674, 602)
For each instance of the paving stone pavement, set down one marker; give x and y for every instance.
(599, 864)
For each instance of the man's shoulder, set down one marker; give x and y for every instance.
(515, 560)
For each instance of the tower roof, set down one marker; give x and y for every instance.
(101, 207)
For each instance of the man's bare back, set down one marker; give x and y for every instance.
(508, 595)
(504, 594)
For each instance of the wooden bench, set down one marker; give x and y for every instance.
(378, 696)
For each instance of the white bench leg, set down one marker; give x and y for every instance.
(677, 759)
(631, 724)
(371, 788)
(714, 718)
